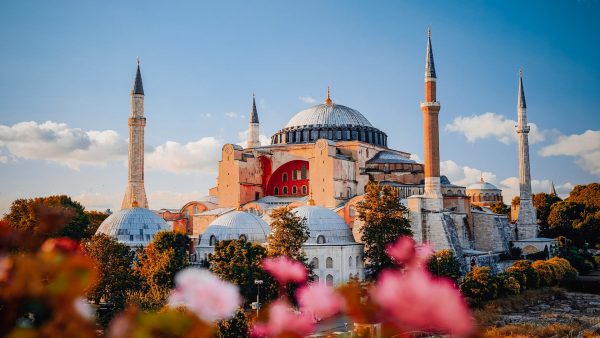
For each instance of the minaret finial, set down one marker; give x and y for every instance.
(429, 64)
(138, 87)
(328, 99)
(253, 112)
(138, 60)
(429, 31)
(521, 98)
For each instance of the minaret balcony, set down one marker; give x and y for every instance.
(430, 104)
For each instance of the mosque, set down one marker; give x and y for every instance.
(318, 165)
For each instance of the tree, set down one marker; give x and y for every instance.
(444, 263)
(561, 220)
(384, 220)
(239, 262)
(543, 203)
(113, 263)
(500, 208)
(237, 326)
(587, 195)
(288, 234)
(479, 285)
(179, 242)
(96, 218)
(25, 214)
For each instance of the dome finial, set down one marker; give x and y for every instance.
(328, 99)
(310, 201)
(481, 179)
(134, 204)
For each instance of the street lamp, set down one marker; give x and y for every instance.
(439, 259)
(258, 282)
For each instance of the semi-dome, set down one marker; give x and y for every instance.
(324, 225)
(236, 225)
(133, 227)
(330, 121)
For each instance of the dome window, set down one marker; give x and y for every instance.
(213, 240)
(350, 261)
(315, 263)
(243, 237)
(329, 263)
(329, 280)
(321, 239)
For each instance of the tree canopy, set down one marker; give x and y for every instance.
(288, 234)
(444, 263)
(384, 220)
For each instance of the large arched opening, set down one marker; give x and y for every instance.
(291, 179)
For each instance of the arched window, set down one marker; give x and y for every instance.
(315, 263)
(195, 209)
(329, 263)
(449, 193)
(213, 240)
(285, 190)
(284, 177)
(320, 239)
(329, 280)
(304, 190)
(358, 262)
(276, 191)
(303, 172)
(350, 261)
(294, 190)
(243, 238)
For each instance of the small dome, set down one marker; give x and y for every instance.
(234, 225)
(326, 223)
(133, 226)
(482, 185)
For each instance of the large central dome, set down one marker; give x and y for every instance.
(329, 121)
(328, 115)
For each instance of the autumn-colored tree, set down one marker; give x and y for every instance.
(113, 263)
(526, 275)
(479, 285)
(96, 218)
(234, 327)
(288, 234)
(500, 208)
(587, 195)
(515, 201)
(25, 214)
(239, 262)
(385, 219)
(543, 204)
(444, 263)
(562, 218)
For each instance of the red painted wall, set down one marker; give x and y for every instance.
(276, 180)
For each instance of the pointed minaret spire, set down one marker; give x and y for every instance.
(328, 99)
(552, 189)
(138, 87)
(253, 113)
(253, 127)
(429, 64)
(521, 98)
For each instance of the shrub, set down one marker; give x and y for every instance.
(507, 285)
(554, 270)
(527, 276)
(444, 263)
(479, 285)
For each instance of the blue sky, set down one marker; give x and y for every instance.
(72, 63)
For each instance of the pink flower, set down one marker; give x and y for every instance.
(405, 252)
(283, 321)
(319, 299)
(285, 270)
(203, 293)
(417, 300)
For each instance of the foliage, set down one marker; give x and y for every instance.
(234, 327)
(96, 218)
(239, 262)
(288, 234)
(586, 195)
(479, 285)
(515, 201)
(384, 220)
(26, 214)
(525, 274)
(500, 208)
(166, 323)
(113, 262)
(507, 285)
(553, 271)
(543, 203)
(580, 259)
(539, 331)
(180, 243)
(444, 263)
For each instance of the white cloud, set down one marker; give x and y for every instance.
(192, 157)
(156, 199)
(243, 137)
(233, 115)
(464, 175)
(307, 99)
(490, 125)
(584, 147)
(510, 188)
(57, 142)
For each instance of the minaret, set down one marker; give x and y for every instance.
(552, 189)
(431, 109)
(253, 127)
(135, 194)
(526, 222)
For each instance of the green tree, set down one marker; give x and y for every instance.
(562, 218)
(239, 262)
(543, 203)
(288, 234)
(500, 208)
(384, 220)
(444, 263)
(25, 214)
(179, 242)
(113, 262)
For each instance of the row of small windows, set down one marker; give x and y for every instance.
(139, 238)
(307, 135)
(486, 197)
(285, 190)
(301, 174)
(329, 262)
(213, 239)
(328, 279)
